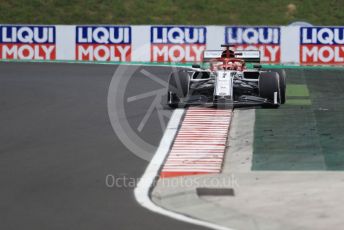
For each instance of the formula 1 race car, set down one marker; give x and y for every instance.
(224, 80)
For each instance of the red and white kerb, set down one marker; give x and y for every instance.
(200, 144)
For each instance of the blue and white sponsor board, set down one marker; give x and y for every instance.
(25, 42)
(103, 43)
(170, 43)
(177, 43)
(322, 45)
(265, 39)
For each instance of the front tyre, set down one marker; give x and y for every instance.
(269, 86)
(178, 87)
(282, 82)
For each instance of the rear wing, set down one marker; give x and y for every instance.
(211, 54)
(246, 55)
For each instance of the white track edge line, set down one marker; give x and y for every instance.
(144, 187)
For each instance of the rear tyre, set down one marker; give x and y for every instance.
(178, 87)
(269, 85)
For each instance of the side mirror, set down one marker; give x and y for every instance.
(257, 66)
(196, 66)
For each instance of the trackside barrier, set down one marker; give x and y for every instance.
(157, 43)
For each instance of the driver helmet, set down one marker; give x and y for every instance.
(231, 54)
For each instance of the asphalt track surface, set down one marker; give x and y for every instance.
(57, 146)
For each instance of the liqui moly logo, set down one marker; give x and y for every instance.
(322, 45)
(265, 39)
(28, 42)
(103, 43)
(177, 43)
